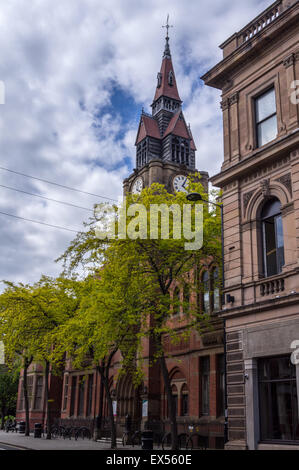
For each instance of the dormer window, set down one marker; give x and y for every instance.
(170, 78)
(159, 79)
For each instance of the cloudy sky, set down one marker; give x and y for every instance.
(77, 74)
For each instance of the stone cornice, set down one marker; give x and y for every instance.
(216, 76)
(261, 155)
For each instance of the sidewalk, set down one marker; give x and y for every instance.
(30, 443)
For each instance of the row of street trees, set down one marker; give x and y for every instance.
(126, 296)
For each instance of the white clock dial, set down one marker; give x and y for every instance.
(137, 186)
(179, 183)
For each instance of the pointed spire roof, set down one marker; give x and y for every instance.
(166, 78)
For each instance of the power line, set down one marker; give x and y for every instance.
(38, 222)
(56, 184)
(44, 197)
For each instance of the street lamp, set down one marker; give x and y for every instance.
(195, 197)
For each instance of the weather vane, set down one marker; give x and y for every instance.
(167, 26)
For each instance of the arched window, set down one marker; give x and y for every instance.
(159, 79)
(184, 401)
(176, 301)
(186, 298)
(206, 292)
(273, 242)
(170, 78)
(174, 391)
(216, 289)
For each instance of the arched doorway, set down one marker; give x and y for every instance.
(128, 403)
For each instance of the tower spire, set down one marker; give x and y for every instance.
(167, 49)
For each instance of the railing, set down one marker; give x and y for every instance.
(146, 114)
(260, 23)
(273, 286)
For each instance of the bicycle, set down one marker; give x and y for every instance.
(131, 438)
(167, 441)
(197, 442)
(83, 432)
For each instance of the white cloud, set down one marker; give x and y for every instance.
(61, 62)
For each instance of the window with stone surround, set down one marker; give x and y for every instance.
(89, 394)
(215, 289)
(220, 384)
(273, 240)
(184, 401)
(186, 304)
(206, 292)
(278, 402)
(81, 396)
(65, 392)
(73, 395)
(38, 400)
(265, 117)
(205, 385)
(177, 301)
(22, 398)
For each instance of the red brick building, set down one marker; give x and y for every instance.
(165, 154)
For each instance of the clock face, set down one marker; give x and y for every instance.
(179, 183)
(137, 186)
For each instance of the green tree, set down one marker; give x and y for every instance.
(28, 317)
(8, 394)
(105, 323)
(157, 264)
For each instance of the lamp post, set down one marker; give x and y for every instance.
(195, 197)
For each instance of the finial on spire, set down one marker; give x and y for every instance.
(167, 26)
(167, 50)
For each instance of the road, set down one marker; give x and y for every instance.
(7, 447)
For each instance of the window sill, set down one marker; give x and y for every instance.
(275, 445)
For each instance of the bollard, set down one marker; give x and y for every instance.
(147, 440)
(37, 430)
(22, 427)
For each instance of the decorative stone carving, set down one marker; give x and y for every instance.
(290, 60)
(224, 104)
(286, 180)
(234, 98)
(265, 185)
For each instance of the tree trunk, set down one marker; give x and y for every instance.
(104, 371)
(47, 400)
(171, 403)
(99, 423)
(2, 417)
(27, 363)
(111, 415)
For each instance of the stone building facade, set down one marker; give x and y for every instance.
(260, 182)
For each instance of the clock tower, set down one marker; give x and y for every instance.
(165, 149)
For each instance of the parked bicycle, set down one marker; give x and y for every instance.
(167, 441)
(131, 438)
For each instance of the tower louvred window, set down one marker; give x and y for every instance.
(170, 78)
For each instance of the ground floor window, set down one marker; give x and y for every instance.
(278, 401)
(39, 392)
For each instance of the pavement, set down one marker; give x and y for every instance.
(15, 441)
